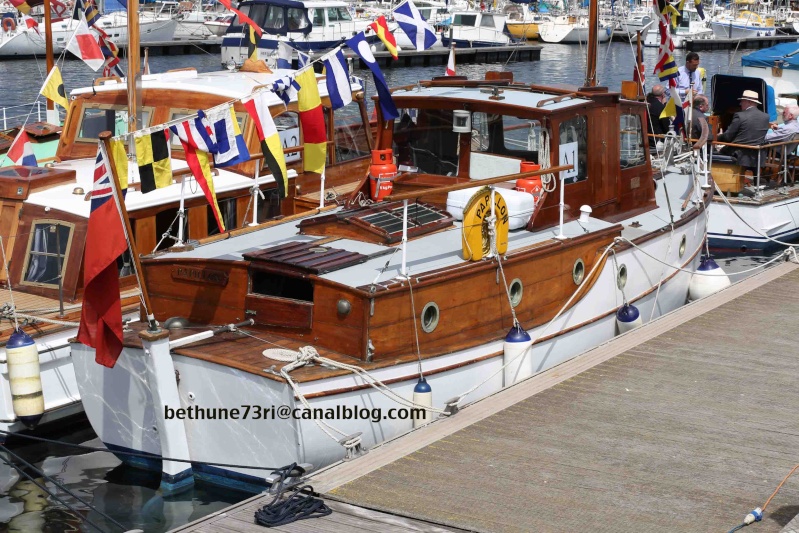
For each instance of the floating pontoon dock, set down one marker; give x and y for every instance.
(685, 424)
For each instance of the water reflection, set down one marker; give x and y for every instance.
(126, 495)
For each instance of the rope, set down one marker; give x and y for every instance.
(133, 454)
(779, 487)
(8, 282)
(299, 506)
(662, 274)
(507, 292)
(35, 318)
(415, 327)
(565, 306)
(747, 224)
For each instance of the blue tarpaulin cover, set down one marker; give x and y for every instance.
(788, 53)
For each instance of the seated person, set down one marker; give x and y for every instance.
(656, 101)
(748, 126)
(701, 132)
(788, 129)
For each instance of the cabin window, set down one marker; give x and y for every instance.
(288, 129)
(338, 14)
(351, 134)
(274, 18)
(297, 20)
(424, 140)
(465, 20)
(573, 149)
(487, 21)
(227, 208)
(257, 12)
(317, 17)
(270, 284)
(632, 141)
(48, 248)
(506, 135)
(97, 118)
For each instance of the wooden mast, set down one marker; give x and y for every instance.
(134, 68)
(593, 33)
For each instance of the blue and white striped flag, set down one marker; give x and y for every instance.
(337, 78)
(286, 88)
(284, 55)
(303, 60)
(415, 27)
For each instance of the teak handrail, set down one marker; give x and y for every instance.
(467, 185)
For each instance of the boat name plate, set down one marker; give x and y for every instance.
(202, 275)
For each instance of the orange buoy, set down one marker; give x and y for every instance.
(9, 24)
(382, 172)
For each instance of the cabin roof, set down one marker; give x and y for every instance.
(427, 253)
(62, 198)
(511, 97)
(221, 83)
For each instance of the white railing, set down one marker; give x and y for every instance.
(16, 115)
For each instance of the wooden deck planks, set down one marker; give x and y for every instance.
(684, 425)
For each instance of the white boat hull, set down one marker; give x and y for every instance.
(119, 402)
(748, 231)
(733, 30)
(24, 43)
(570, 34)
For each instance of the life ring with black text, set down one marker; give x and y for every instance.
(9, 24)
(476, 240)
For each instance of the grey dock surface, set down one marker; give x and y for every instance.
(685, 424)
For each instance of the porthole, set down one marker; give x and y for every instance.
(516, 290)
(621, 276)
(429, 317)
(682, 246)
(578, 272)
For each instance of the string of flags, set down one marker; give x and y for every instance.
(666, 67)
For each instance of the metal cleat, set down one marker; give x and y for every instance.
(451, 407)
(353, 446)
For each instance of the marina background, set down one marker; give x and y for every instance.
(130, 496)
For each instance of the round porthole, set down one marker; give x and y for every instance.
(516, 290)
(429, 317)
(578, 272)
(621, 276)
(682, 246)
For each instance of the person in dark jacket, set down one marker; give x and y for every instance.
(699, 125)
(748, 126)
(656, 100)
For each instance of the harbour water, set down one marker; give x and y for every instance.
(130, 497)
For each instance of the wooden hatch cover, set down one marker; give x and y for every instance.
(312, 257)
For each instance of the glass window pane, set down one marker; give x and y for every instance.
(288, 128)
(274, 17)
(296, 19)
(465, 20)
(487, 21)
(99, 118)
(48, 246)
(632, 141)
(343, 14)
(332, 14)
(351, 135)
(427, 141)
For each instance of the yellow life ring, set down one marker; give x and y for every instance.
(476, 241)
(9, 24)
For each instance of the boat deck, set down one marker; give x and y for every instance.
(686, 424)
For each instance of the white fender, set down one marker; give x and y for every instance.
(25, 378)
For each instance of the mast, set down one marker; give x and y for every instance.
(52, 114)
(134, 69)
(593, 33)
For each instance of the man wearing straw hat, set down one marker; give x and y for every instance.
(748, 126)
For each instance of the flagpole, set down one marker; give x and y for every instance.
(105, 138)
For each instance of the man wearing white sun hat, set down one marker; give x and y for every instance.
(748, 126)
